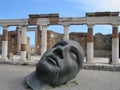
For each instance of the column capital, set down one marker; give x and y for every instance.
(44, 25)
(66, 25)
(24, 26)
(5, 27)
(115, 25)
(90, 25)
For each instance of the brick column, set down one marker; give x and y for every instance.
(19, 39)
(23, 44)
(90, 49)
(115, 45)
(37, 36)
(5, 43)
(66, 32)
(36, 39)
(44, 39)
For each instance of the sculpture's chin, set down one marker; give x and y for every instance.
(52, 77)
(47, 74)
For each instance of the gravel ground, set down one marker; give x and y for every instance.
(12, 78)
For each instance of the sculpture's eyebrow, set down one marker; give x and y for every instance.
(76, 52)
(62, 43)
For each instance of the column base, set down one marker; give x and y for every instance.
(23, 56)
(90, 61)
(115, 63)
(4, 59)
(22, 61)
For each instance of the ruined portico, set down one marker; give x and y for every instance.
(44, 20)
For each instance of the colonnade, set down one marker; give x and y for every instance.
(90, 42)
(21, 38)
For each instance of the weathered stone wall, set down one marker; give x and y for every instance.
(102, 45)
(81, 38)
(12, 42)
(52, 38)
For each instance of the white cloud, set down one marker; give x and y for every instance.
(98, 5)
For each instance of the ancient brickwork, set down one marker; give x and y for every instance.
(5, 35)
(52, 38)
(90, 34)
(13, 43)
(102, 45)
(115, 32)
(81, 38)
(38, 42)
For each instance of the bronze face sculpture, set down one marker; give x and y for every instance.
(58, 65)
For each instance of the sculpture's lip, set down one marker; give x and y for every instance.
(52, 60)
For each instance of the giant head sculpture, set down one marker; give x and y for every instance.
(58, 65)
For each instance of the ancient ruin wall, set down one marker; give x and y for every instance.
(13, 43)
(102, 43)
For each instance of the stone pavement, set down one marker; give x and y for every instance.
(12, 78)
(99, 63)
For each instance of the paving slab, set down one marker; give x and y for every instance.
(12, 78)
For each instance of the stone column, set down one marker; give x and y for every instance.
(90, 47)
(66, 32)
(19, 39)
(5, 43)
(44, 39)
(23, 44)
(36, 39)
(115, 45)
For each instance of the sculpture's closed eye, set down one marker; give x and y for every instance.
(74, 53)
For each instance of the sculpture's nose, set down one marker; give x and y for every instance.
(59, 52)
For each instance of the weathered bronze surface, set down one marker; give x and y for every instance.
(58, 65)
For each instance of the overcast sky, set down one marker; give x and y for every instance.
(12, 9)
